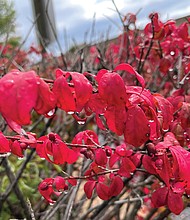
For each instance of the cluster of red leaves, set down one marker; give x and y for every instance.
(54, 186)
(131, 111)
(171, 163)
(162, 48)
(121, 103)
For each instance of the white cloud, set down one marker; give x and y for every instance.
(76, 16)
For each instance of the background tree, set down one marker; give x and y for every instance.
(7, 17)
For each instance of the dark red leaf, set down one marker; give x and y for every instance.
(149, 164)
(137, 128)
(102, 191)
(100, 157)
(159, 197)
(175, 202)
(116, 186)
(88, 188)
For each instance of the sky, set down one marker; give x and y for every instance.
(75, 18)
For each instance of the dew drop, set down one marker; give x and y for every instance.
(81, 122)
(151, 121)
(8, 84)
(15, 73)
(51, 113)
(51, 203)
(175, 77)
(165, 130)
(172, 53)
(29, 80)
(20, 158)
(70, 112)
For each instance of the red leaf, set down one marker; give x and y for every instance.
(175, 202)
(166, 110)
(127, 166)
(184, 115)
(137, 127)
(16, 149)
(4, 144)
(102, 191)
(129, 69)
(46, 190)
(46, 100)
(111, 88)
(62, 154)
(59, 183)
(87, 137)
(100, 74)
(100, 157)
(65, 99)
(13, 125)
(116, 118)
(83, 89)
(19, 92)
(72, 181)
(88, 188)
(96, 104)
(116, 186)
(159, 197)
(113, 159)
(149, 164)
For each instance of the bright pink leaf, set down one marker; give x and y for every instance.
(19, 92)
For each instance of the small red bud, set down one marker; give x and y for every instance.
(51, 137)
(66, 187)
(159, 164)
(108, 151)
(121, 151)
(151, 148)
(23, 146)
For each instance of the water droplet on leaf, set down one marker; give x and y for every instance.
(81, 122)
(8, 84)
(51, 113)
(70, 112)
(20, 158)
